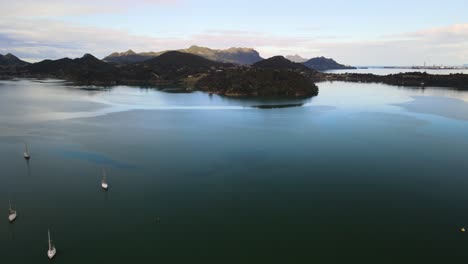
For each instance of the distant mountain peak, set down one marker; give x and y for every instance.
(11, 60)
(278, 57)
(296, 58)
(128, 52)
(88, 56)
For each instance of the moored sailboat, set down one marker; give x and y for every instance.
(26, 153)
(11, 213)
(104, 183)
(52, 251)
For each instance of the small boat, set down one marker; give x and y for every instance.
(52, 251)
(104, 183)
(11, 213)
(26, 154)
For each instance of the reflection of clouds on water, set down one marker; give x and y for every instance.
(36, 101)
(440, 106)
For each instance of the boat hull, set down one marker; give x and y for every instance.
(12, 217)
(51, 253)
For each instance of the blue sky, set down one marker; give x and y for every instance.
(354, 32)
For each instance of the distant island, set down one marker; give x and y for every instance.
(276, 76)
(213, 71)
(411, 79)
(175, 67)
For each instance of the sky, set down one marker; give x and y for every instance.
(359, 32)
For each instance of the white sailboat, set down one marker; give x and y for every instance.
(104, 183)
(11, 213)
(52, 251)
(26, 154)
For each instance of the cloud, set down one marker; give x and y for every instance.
(441, 45)
(57, 8)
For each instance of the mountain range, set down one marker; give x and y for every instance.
(276, 76)
(272, 77)
(242, 56)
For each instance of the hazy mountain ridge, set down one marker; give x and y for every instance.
(296, 58)
(243, 56)
(126, 57)
(11, 60)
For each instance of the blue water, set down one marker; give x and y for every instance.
(363, 173)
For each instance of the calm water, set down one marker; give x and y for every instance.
(363, 173)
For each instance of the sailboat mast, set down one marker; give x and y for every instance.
(26, 148)
(50, 244)
(9, 204)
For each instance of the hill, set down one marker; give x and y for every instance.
(325, 64)
(258, 82)
(11, 60)
(87, 69)
(170, 67)
(175, 60)
(231, 55)
(281, 63)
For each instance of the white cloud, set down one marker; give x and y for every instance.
(54, 8)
